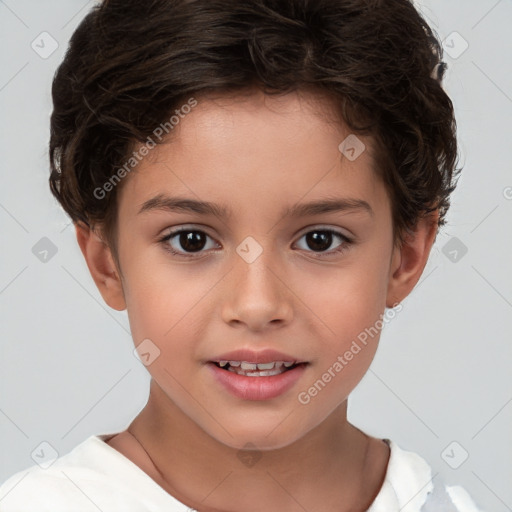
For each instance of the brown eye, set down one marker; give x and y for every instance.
(191, 241)
(185, 242)
(320, 240)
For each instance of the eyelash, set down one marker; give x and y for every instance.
(347, 242)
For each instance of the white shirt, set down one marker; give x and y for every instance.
(94, 477)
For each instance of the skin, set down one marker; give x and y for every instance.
(256, 155)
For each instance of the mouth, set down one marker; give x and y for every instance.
(250, 381)
(249, 369)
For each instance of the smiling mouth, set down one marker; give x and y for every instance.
(248, 369)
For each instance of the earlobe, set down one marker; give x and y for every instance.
(409, 260)
(101, 265)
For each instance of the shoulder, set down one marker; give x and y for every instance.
(409, 486)
(41, 490)
(92, 477)
(69, 480)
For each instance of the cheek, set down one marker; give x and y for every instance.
(163, 302)
(347, 306)
(346, 301)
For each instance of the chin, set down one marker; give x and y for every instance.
(260, 435)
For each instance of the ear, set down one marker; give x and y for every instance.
(101, 265)
(409, 260)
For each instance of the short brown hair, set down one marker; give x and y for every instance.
(130, 64)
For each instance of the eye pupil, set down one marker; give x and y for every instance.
(321, 240)
(192, 241)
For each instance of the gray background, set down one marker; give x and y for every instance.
(442, 371)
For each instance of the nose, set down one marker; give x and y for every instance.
(256, 294)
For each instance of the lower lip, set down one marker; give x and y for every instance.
(257, 388)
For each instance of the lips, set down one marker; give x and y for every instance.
(257, 375)
(257, 385)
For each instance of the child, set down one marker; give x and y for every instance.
(265, 129)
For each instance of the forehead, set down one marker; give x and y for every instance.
(249, 151)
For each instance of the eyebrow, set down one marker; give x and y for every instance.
(181, 204)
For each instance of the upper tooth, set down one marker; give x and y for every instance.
(245, 365)
(248, 366)
(266, 366)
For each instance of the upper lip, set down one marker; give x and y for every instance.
(260, 356)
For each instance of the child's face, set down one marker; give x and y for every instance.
(256, 157)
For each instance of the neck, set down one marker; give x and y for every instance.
(331, 461)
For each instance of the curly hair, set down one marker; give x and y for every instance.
(130, 64)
